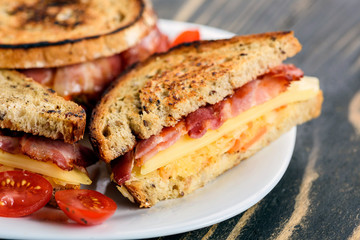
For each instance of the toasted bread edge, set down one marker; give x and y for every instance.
(72, 51)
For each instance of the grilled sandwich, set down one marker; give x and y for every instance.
(39, 132)
(179, 119)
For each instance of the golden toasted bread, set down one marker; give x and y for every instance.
(166, 87)
(41, 33)
(27, 106)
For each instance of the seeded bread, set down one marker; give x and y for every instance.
(27, 106)
(168, 182)
(36, 34)
(166, 87)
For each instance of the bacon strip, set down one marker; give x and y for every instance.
(154, 42)
(89, 77)
(147, 148)
(9, 144)
(122, 168)
(64, 155)
(93, 77)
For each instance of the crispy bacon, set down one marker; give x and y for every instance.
(64, 155)
(122, 167)
(154, 42)
(147, 148)
(43, 76)
(93, 77)
(254, 93)
(89, 77)
(9, 144)
(204, 118)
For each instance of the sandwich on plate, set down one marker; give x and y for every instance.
(77, 47)
(179, 119)
(39, 131)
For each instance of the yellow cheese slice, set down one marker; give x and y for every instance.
(306, 88)
(50, 169)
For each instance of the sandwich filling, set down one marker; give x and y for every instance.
(277, 88)
(53, 158)
(91, 78)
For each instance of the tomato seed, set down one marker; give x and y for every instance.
(83, 220)
(23, 182)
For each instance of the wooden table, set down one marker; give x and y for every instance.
(319, 195)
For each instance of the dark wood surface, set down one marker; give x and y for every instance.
(319, 195)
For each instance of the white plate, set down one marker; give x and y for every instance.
(232, 193)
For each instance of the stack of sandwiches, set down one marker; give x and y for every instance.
(77, 47)
(167, 125)
(179, 119)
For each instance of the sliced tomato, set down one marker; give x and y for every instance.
(22, 193)
(84, 206)
(186, 36)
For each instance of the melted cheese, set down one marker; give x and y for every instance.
(49, 169)
(306, 88)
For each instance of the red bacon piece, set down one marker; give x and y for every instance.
(122, 168)
(9, 144)
(147, 148)
(43, 76)
(93, 77)
(154, 42)
(203, 118)
(89, 77)
(290, 71)
(64, 155)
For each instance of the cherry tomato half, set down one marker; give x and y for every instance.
(84, 206)
(22, 193)
(186, 36)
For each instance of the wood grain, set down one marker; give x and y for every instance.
(319, 195)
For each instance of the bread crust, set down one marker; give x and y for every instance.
(168, 86)
(153, 187)
(27, 106)
(94, 34)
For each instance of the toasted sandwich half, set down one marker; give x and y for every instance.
(178, 120)
(39, 131)
(77, 47)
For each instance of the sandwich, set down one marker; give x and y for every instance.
(77, 47)
(39, 132)
(176, 121)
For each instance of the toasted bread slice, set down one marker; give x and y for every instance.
(51, 34)
(185, 175)
(166, 87)
(27, 106)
